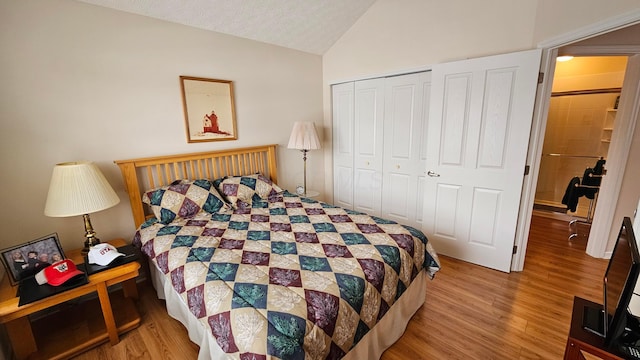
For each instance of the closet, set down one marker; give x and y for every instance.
(379, 147)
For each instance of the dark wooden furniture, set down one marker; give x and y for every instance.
(582, 342)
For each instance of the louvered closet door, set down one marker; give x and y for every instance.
(405, 150)
(368, 146)
(343, 144)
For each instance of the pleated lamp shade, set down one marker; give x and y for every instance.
(304, 136)
(78, 188)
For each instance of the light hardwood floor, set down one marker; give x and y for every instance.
(470, 313)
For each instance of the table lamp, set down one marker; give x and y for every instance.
(304, 138)
(79, 188)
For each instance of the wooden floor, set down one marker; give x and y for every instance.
(470, 313)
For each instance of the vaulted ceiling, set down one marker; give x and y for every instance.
(311, 26)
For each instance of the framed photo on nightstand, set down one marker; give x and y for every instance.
(26, 260)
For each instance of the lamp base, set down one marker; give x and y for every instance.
(88, 244)
(92, 239)
(304, 160)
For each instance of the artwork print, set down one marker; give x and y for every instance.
(208, 109)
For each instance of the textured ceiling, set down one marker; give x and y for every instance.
(307, 25)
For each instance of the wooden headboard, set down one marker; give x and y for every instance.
(148, 173)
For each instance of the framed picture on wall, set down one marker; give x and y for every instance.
(209, 110)
(26, 260)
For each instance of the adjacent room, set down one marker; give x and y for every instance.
(318, 179)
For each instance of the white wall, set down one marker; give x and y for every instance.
(587, 73)
(80, 81)
(558, 17)
(394, 39)
(630, 188)
(85, 82)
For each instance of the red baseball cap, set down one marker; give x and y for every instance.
(58, 273)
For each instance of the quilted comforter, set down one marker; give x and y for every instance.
(289, 278)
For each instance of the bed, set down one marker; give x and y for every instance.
(255, 272)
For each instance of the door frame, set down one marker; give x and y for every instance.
(602, 223)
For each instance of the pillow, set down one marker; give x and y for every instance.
(183, 199)
(243, 188)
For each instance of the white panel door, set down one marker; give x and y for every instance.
(343, 144)
(405, 125)
(479, 126)
(368, 146)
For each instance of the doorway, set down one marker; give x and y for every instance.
(580, 122)
(622, 40)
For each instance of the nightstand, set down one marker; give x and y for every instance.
(61, 326)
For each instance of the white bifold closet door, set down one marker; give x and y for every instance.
(405, 148)
(379, 151)
(343, 105)
(368, 137)
(358, 110)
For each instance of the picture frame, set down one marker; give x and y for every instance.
(209, 109)
(19, 262)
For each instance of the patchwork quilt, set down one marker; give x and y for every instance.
(287, 277)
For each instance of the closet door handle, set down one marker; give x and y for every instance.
(432, 174)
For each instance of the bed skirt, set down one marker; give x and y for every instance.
(377, 340)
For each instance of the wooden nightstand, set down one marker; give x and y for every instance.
(64, 326)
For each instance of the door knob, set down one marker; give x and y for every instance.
(432, 174)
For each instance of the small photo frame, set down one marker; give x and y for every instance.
(26, 260)
(209, 110)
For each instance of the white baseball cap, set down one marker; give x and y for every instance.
(103, 254)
